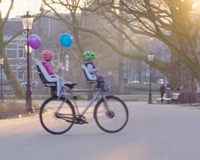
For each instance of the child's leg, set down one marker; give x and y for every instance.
(53, 91)
(100, 77)
(100, 80)
(59, 85)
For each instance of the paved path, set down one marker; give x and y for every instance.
(154, 132)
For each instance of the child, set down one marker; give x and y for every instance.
(88, 56)
(47, 56)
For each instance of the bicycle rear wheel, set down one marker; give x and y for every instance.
(115, 118)
(49, 119)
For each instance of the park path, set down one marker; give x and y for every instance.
(154, 132)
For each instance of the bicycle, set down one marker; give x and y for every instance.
(59, 113)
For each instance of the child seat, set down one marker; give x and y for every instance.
(47, 80)
(89, 77)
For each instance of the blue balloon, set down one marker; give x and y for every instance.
(66, 40)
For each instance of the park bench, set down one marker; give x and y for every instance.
(165, 99)
(173, 98)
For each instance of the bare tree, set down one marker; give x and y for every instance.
(175, 23)
(17, 89)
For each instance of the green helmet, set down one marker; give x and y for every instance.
(89, 55)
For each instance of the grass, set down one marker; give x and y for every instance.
(13, 109)
(137, 97)
(143, 87)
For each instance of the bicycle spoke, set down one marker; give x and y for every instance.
(115, 118)
(49, 117)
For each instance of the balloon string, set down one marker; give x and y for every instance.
(76, 56)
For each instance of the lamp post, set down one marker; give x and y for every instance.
(1, 63)
(150, 58)
(27, 25)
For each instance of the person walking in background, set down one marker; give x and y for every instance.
(168, 91)
(162, 91)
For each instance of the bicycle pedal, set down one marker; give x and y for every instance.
(83, 122)
(80, 120)
(86, 122)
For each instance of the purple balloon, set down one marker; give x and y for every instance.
(34, 41)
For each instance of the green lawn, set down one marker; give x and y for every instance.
(137, 97)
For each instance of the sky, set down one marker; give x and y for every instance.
(33, 6)
(20, 7)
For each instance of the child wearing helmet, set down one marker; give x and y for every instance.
(47, 56)
(88, 56)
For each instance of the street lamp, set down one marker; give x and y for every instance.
(1, 63)
(150, 58)
(27, 25)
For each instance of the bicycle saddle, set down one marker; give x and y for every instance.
(70, 85)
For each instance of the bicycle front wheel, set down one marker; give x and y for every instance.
(112, 118)
(49, 118)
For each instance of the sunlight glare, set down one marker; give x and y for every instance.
(195, 5)
(20, 7)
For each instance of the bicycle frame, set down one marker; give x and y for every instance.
(98, 93)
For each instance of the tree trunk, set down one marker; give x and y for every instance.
(179, 74)
(90, 94)
(175, 71)
(16, 87)
(121, 78)
(189, 94)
